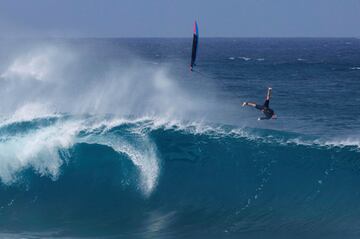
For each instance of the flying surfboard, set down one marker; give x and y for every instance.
(194, 46)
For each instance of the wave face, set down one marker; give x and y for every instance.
(88, 176)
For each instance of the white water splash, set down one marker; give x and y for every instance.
(38, 149)
(147, 162)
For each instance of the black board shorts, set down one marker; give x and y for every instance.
(265, 105)
(265, 109)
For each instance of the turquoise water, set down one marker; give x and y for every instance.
(116, 138)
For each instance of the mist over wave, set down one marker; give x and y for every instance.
(64, 80)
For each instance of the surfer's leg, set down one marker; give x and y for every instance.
(252, 104)
(266, 103)
(268, 96)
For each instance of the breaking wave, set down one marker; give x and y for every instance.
(144, 176)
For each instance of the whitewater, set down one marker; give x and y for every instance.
(115, 138)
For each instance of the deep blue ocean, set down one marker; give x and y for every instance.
(116, 138)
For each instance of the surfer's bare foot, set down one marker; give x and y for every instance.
(243, 104)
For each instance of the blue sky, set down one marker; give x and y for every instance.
(173, 18)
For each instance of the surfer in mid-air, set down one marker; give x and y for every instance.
(269, 113)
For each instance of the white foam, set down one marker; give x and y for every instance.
(349, 141)
(37, 149)
(244, 58)
(147, 162)
(141, 151)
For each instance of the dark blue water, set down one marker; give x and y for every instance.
(116, 138)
